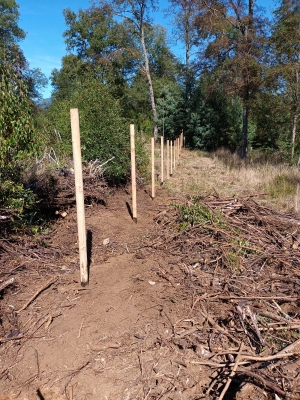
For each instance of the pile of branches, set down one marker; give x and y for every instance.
(237, 278)
(56, 190)
(21, 251)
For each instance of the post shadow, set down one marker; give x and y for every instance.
(89, 248)
(129, 210)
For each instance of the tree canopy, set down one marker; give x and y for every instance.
(236, 84)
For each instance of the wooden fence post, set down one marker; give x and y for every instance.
(152, 168)
(168, 160)
(162, 158)
(133, 173)
(84, 278)
(174, 154)
(171, 158)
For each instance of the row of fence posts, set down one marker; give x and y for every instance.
(172, 156)
(174, 148)
(173, 151)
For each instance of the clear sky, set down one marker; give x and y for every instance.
(44, 24)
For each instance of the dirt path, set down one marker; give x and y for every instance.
(109, 340)
(85, 343)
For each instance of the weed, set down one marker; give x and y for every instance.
(194, 212)
(233, 261)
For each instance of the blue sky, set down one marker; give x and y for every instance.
(44, 24)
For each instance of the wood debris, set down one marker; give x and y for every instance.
(238, 275)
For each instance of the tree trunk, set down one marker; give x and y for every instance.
(187, 72)
(294, 131)
(249, 37)
(245, 131)
(295, 114)
(151, 92)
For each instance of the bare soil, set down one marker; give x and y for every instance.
(171, 311)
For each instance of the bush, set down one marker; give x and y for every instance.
(18, 201)
(104, 133)
(16, 127)
(17, 140)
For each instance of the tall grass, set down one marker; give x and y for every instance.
(264, 173)
(276, 183)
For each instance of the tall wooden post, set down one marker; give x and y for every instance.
(168, 160)
(133, 173)
(162, 158)
(174, 154)
(84, 278)
(152, 169)
(171, 158)
(181, 141)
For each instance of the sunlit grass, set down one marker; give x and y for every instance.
(275, 185)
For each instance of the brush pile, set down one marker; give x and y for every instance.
(235, 272)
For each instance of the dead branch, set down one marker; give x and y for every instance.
(235, 367)
(6, 283)
(36, 294)
(262, 380)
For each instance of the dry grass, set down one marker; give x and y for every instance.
(278, 185)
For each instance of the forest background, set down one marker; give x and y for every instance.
(236, 87)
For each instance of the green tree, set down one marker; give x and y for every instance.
(16, 127)
(16, 123)
(101, 47)
(216, 117)
(271, 115)
(137, 12)
(10, 32)
(183, 12)
(18, 87)
(285, 42)
(171, 110)
(237, 35)
(166, 74)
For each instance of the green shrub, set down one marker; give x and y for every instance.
(104, 133)
(18, 200)
(16, 127)
(17, 139)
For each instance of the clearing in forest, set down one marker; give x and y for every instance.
(199, 299)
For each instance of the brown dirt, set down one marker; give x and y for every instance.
(129, 334)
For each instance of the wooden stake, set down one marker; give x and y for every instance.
(174, 154)
(152, 168)
(162, 158)
(171, 158)
(133, 174)
(168, 160)
(84, 278)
